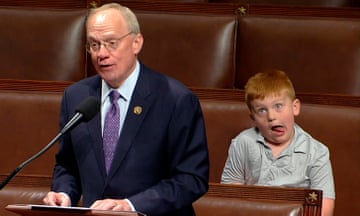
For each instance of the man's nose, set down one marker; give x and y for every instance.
(103, 51)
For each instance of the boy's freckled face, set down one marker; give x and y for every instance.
(274, 117)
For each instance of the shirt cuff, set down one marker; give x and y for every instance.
(131, 205)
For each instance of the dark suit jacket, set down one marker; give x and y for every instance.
(161, 162)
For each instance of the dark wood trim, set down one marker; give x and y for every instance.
(329, 99)
(265, 192)
(312, 98)
(238, 8)
(341, 12)
(309, 198)
(202, 93)
(198, 7)
(28, 180)
(33, 85)
(177, 6)
(66, 4)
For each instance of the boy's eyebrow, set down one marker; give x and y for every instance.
(257, 105)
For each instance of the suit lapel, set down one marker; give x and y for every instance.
(94, 128)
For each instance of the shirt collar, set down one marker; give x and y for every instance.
(126, 89)
(299, 140)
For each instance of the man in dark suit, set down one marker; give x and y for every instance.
(160, 163)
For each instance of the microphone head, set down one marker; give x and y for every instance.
(88, 108)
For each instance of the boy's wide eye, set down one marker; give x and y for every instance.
(261, 110)
(278, 106)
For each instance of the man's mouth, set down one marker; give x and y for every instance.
(105, 65)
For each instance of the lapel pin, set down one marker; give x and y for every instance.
(137, 110)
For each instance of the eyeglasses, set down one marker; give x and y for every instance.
(110, 45)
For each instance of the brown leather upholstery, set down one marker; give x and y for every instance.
(339, 128)
(319, 54)
(42, 44)
(213, 206)
(196, 49)
(204, 45)
(224, 120)
(20, 195)
(29, 121)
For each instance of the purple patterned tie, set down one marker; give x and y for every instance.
(111, 129)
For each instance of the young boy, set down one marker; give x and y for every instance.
(277, 152)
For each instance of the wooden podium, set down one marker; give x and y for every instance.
(44, 210)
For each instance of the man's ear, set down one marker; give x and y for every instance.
(138, 43)
(296, 107)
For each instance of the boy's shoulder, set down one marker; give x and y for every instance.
(248, 137)
(249, 133)
(304, 141)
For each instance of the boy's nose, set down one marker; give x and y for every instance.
(271, 114)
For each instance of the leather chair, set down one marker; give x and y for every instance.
(42, 44)
(319, 54)
(196, 49)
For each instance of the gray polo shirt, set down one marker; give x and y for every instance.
(304, 163)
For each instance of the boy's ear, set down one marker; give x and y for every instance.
(296, 107)
(251, 116)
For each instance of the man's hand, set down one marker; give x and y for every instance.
(56, 199)
(112, 204)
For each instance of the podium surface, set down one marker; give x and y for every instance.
(44, 210)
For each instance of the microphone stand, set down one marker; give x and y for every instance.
(24, 164)
(86, 111)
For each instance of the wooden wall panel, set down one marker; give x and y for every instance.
(46, 3)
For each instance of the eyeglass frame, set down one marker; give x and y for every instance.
(107, 44)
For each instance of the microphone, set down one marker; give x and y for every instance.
(85, 111)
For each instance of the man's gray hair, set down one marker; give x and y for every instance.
(129, 16)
